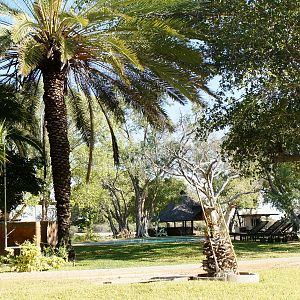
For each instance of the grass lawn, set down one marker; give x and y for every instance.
(274, 284)
(134, 255)
(112, 256)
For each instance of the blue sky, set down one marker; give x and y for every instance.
(175, 109)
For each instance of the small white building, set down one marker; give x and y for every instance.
(247, 218)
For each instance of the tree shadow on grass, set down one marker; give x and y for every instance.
(178, 252)
(257, 249)
(138, 252)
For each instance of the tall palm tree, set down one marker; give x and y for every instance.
(132, 52)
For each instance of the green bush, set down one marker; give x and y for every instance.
(58, 252)
(86, 237)
(31, 259)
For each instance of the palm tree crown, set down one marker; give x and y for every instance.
(132, 52)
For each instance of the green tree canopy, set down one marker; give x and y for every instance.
(254, 46)
(282, 189)
(163, 191)
(21, 178)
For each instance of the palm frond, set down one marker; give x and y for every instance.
(6, 10)
(5, 41)
(29, 98)
(70, 22)
(113, 137)
(78, 106)
(23, 139)
(123, 52)
(22, 26)
(31, 53)
(67, 49)
(11, 110)
(174, 78)
(119, 46)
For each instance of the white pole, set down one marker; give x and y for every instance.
(4, 183)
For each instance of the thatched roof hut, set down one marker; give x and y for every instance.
(186, 211)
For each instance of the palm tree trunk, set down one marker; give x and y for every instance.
(56, 123)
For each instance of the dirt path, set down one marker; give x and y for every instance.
(144, 274)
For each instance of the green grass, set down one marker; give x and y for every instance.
(134, 255)
(112, 256)
(274, 284)
(252, 250)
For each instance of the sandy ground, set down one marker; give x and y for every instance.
(146, 274)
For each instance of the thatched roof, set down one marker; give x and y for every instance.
(188, 210)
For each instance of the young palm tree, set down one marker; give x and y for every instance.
(132, 52)
(20, 145)
(18, 119)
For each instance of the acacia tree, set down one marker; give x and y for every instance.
(146, 182)
(136, 157)
(120, 195)
(135, 51)
(136, 188)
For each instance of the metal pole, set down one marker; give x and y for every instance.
(4, 183)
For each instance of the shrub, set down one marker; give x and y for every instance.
(32, 259)
(86, 237)
(59, 252)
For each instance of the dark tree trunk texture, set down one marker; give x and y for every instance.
(56, 123)
(111, 223)
(218, 249)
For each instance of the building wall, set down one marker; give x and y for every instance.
(18, 232)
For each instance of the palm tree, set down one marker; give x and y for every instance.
(121, 52)
(18, 119)
(20, 137)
